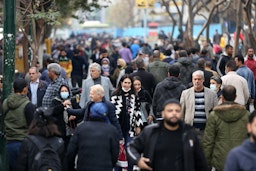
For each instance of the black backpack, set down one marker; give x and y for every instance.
(47, 158)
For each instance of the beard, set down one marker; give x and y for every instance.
(172, 123)
(253, 137)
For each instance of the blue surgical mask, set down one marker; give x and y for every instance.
(213, 87)
(64, 95)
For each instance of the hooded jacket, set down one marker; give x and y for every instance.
(225, 129)
(242, 157)
(186, 69)
(170, 87)
(16, 122)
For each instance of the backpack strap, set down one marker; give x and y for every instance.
(41, 142)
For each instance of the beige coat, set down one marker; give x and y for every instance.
(187, 101)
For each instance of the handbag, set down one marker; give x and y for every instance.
(122, 160)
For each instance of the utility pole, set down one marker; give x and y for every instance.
(8, 69)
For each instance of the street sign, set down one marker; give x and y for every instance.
(145, 3)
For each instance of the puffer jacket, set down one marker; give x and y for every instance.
(225, 129)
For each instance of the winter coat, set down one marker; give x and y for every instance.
(19, 113)
(242, 158)
(132, 111)
(97, 146)
(170, 87)
(28, 151)
(194, 159)
(225, 129)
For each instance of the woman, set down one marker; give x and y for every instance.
(145, 100)
(43, 131)
(121, 65)
(127, 109)
(215, 85)
(60, 114)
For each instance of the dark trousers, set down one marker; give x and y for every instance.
(13, 148)
(76, 79)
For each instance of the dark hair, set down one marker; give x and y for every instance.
(118, 90)
(201, 63)
(134, 78)
(19, 84)
(170, 101)
(229, 92)
(252, 116)
(63, 85)
(232, 65)
(174, 70)
(183, 53)
(228, 46)
(204, 52)
(43, 123)
(240, 58)
(217, 79)
(140, 63)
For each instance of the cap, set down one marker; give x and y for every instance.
(98, 110)
(141, 52)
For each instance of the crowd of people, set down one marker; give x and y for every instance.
(169, 107)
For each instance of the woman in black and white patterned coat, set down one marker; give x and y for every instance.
(127, 109)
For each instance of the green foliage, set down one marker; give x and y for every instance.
(50, 17)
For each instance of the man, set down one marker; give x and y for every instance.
(158, 68)
(52, 91)
(79, 67)
(225, 128)
(96, 97)
(96, 144)
(170, 88)
(125, 53)
(197, 102)
(224, 58)
(19, 112)
(207, 74)
(147, 79)
(36, 87)
(96, 78)
(232, 78)
(65, 62)
(186, 67)
(208, 67)
(242, 158)
(246, 73)
(173, 144)
(216, 37)
(250, 62)
(135, 47)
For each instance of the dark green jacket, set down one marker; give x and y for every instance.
(225, 129)
(15, 121)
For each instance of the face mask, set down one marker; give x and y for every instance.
(64, 95)
(213, 87)
(105, 65)
(126, 90)
(251, 55)
(119, 66)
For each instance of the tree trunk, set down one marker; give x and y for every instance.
(238, 25)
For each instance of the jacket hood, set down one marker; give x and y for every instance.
(185, 60)
(15, 100)
(230, 111)
(171, 83)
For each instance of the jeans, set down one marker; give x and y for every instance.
(13, 148)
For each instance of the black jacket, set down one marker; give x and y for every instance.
(42, 86)
(84, 113)
(28, 150)
(97, 146)
(147, 80)
(194, 159)
(170, 87)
